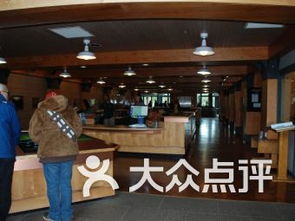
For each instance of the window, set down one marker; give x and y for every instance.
(156, 98)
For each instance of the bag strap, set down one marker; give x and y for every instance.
(62, 124)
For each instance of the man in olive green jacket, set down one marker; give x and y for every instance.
(56, 151)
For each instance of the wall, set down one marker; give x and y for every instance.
(28, 87)
(35, 87)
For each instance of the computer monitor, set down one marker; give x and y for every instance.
(139, 112)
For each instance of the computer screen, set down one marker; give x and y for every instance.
(138, 111)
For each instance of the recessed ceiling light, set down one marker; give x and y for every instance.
(136, 89)
(170, 89)
(162, 86)
(252, 25)
(204, 50)
(83, 66)
(146, 91)
(145, 65)
(206, 85)
(72, 32)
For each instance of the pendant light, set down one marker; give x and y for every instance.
(2, 60)
(122, 85)
(101, 81)
(204, 71)
(204, 50)
(65, 73)
(206, 80)
(86, 54)
(150, 80)
(129, 72)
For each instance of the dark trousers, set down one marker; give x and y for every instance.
(6, 171)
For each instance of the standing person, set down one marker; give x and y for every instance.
(9, 136)
(57, 151)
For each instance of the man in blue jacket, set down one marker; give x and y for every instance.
(9, 136)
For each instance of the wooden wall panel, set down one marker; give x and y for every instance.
(28, 87)
(35, 87)
(286, 100)
(252, 123)
(269, 102)
(238, 110)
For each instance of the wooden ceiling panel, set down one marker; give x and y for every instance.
(134, 35)
(59, 11)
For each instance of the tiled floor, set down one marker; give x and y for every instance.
(149, 207)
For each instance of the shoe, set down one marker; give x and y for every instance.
(46, 217)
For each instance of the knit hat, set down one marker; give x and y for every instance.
(50, 94)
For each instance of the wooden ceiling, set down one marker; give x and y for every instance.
(163, 35)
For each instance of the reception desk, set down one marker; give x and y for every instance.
(29, 187)
(169, 138)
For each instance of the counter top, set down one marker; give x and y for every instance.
(122, 128)
(86, 145)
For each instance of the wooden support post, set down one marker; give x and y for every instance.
(283, 155)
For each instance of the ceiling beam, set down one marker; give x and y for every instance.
(284, 43)
(140, 57)
(221, 71)
(34, 12)
(30, 4)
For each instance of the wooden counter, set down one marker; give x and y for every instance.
(168, 139)
(29, 187)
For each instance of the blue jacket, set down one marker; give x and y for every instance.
(9, 129)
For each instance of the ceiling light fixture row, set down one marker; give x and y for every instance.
(204, 50)
(86, 54)
(65, 73)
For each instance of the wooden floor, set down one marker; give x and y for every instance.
(213, 140)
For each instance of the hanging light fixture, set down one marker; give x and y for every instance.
(2, 60)
(86, 54)
(204, 71)
(101, 81)
(122, 85)
(129, 72)
(204, 50)
(150, 80)
(65, 73)
(206, 80)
